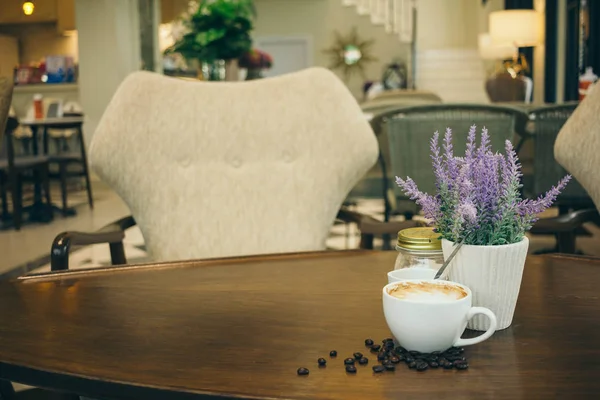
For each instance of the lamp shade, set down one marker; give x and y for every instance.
(521, 28)
(488, 50)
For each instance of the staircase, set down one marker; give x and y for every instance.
(396, 16)
(457, 75)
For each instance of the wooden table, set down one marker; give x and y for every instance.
(240, 328)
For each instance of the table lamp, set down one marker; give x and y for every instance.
(517, 28)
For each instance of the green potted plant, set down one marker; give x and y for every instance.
(217, 34)
(478, 203)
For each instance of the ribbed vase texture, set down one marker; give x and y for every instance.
(493, 273)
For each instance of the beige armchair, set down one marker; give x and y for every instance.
(228, 169)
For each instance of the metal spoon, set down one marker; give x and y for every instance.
(447, 262)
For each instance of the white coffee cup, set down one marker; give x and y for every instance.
(410, 273)
(428, 319)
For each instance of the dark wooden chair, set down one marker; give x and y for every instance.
(14, 172)
(64, 158)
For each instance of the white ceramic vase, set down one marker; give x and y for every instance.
(493, 273)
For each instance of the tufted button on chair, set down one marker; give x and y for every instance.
(228, 169)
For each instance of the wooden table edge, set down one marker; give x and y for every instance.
(206, 262)
(80, 385)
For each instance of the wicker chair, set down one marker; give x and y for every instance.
(575, 204)
(410, 129)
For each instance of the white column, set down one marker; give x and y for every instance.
(109, 50)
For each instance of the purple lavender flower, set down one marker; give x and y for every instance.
(478, 199)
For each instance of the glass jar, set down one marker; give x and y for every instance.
(420, 250)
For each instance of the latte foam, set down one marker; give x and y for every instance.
(427, 292)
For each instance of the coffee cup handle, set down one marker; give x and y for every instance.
(493, 323)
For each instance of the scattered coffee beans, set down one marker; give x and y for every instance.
(389, 357)
(461, 366)
(422, 366)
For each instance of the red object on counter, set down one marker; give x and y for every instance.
(585, 81)
(38, 106)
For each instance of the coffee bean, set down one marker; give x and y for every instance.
(363, 361)
(455, 358)
(462, 366)
(389, 345)
(333, 353)
(412, 364)
(442, 361)
(422, 366)
(434, 364)
(386, 362)
(408, 359)
(401, 349)
(378, 368)
(375, 348)
(394, 360)
(322, 362)
(390, 367)
(448, 365)
(303, 371)
(368, 342)
(414, 353)
(381, 356)
(351, 369)
(401, 357)
(436, 353)
(357, 355)
(349, 361)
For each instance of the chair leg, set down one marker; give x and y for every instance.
(566, 242)
(17, 200)
(3, 197)
(366, 241)
(88, 187)
(63, 186)
(46, 185)
(86, 169)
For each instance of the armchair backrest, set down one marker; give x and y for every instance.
(217, 169)
(577, 147)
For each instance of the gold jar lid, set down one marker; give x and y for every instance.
(419, 239)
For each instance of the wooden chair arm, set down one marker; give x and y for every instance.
(564, 223)
(112, 234)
